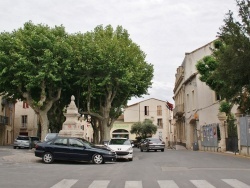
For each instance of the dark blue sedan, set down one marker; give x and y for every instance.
(73, 149)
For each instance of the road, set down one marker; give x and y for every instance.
(169, 169)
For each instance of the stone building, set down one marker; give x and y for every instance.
(7, 114)
(196, 105)
(153, 109)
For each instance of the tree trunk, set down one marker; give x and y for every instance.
(106, 130)
(44, 124)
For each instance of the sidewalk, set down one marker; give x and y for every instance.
(18, 155)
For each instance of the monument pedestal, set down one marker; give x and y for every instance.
(72, 127)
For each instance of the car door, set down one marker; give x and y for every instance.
(61, 149)
(78, 150)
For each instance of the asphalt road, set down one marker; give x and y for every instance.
(172, 168)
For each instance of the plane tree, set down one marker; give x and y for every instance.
(35, 64)
(115, 70)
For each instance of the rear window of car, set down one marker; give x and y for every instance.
(154, 140)
(119, 142)
(22, 138)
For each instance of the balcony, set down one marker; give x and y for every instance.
(178, 110)
(4, 120)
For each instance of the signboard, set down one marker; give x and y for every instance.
(209, 136)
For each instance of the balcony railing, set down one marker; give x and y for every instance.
(4, 120)
(178, 110)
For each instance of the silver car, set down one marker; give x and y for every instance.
(22, 142)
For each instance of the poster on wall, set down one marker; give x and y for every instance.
(209, 136)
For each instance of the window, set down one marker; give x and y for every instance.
(61, 142)
(25, 104)
(75, 143)
(217, 97)
(159, 123)
(24, 121)
(146, 110)
(159, 111)
(193, 100)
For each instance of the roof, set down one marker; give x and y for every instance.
(146, 100)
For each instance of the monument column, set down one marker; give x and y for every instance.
(72, 126)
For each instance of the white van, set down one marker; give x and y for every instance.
(50, 136)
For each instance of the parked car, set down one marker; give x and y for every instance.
(122, 147)
(139, 143)
(33, 141)
(22, 142)
(152, 144)
(50, 136)
(73, 149)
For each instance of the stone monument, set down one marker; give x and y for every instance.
(72, 126)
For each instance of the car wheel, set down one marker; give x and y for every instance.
(130, 159)
(14, 147)
(147, 149)
(141, 150)
(162, 150)
(97, 159)
(155, 150)
(48, 158)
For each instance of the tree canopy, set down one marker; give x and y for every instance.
(115, 69)
(143, 129)
(35, 62)
(227, 70)
(103, 68)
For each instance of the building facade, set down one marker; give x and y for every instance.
(26, 120)
(7, 114)
(196, 105)
(153, 109)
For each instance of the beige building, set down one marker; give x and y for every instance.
(26, 120)
(153, 109)
(7, 113)
(196, 105)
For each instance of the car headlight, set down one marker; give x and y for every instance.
(130, 149)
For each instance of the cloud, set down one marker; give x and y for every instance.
(164, 29)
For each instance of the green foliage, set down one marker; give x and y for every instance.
(33, 57)
(229, 74)
(144, 129)
(115, 70)
(225, 107)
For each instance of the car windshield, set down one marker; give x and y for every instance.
(119, 142)
(86, 142)
(22, 138)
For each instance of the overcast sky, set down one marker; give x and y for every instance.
(164, 29)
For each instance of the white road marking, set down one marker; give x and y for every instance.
(167, 184)
(133, 184)
(202, 184)
(236, 183)
(99, 184)
(65, 183)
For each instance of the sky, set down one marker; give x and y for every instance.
(164, 29)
